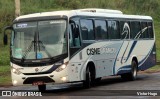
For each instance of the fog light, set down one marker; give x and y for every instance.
(64, 78)
(14, 82)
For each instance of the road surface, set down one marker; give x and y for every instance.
(110, 88)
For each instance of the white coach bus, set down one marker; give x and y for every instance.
(81, 45)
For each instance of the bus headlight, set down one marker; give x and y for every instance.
(16, 71)
(62, 67)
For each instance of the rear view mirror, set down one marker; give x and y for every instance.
(5, 37)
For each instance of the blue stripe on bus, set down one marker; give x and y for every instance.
(132, 47)
(122, 70)
(124, 53)
(116, 58)
(145, 64)
(126, 69)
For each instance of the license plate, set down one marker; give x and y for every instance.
(38, 83)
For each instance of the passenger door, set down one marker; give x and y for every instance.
(74, 38)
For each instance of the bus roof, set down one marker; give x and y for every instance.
(86, 12)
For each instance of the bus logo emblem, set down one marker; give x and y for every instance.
(36, 69)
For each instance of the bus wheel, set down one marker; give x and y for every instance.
(133, 74)
(97, 80)
(42, 88)
(87, 82)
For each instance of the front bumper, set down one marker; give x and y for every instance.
(55, 77)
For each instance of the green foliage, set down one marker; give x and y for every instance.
(5, 75)
(6, 12)
(142, 7)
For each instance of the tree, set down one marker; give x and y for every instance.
(17, 8)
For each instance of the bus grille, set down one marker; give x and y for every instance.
(44, 79)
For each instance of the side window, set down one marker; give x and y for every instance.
(144, 30)
(87, 29)
(150, 29)
(135, 30)
(100, 29)
(124, 29)
(113, 30)
(74, 35)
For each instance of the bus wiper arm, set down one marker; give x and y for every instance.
(26, 52)
(30, 47)
(43, 46)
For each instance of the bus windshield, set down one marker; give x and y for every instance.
(39, 40)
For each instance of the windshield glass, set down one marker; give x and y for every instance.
(38, 40)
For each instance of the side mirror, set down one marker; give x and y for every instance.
(5, 37)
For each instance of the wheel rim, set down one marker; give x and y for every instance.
(134, 70)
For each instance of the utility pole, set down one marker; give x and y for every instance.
(17, 8)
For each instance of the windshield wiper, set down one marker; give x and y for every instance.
(35, 42)
(49, 55)
(43, 46)
(29, 48)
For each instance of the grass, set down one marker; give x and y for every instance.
(155, 68)
(5, 75)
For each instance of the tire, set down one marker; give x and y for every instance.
(87, 83)
(133, 74)
(42, 88)
(97, 80)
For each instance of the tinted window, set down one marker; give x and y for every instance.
(113, 30)
(150, 29)
(74, 35)
(100, 29)
(87, 29)
(124, 29)
(135, 30)
(144, 30)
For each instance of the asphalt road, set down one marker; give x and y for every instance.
(110, 87)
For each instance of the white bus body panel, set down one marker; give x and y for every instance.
(115, 55)
(110, 63)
